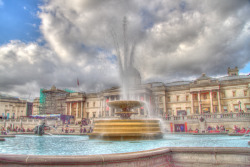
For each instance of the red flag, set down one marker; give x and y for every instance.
(78, 82)
(142, 99)
(107, 107)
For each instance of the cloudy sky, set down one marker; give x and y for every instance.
(54, 42)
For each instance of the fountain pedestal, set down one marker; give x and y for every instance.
(126, 128)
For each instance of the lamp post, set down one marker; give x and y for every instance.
(239, 106)
(201, 107)
(5, 118)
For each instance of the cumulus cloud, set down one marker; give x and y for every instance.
(27, 67)
(175, 40)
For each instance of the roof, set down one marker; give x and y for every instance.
(203, 77)
(8, 97)
(177, 83)
(227, 78)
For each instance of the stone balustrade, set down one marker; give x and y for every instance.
(220, 116)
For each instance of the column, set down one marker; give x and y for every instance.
(219, 105)
(192, 104)
(109, 107)
(77, 110)
(70, 105)
(81, 108)
(67, 108)
(103, 107)
(144, 99)
(16, 112)
(211, 101)
(199, 102)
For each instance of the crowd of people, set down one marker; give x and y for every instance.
(240, 130)
(15, 129)
(67, 129)
(217, 129)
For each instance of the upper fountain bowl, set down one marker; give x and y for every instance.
(125, 105)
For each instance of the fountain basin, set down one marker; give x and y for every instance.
(125, 105)
(172, 156)
(126, 130)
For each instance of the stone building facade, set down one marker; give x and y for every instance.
(209, 95)
(205, 95)
(12, 107)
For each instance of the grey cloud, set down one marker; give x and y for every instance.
(175, 40)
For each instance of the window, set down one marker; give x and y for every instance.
(214, 95)
(168, 98)
(177, 98)
(187, 97)
(93, 104)
(195, 97)
(178, 111)
(169, 111)
(216, 109)
(223, 95)
(204, 96)
(245, 93)
(94, 114)
(225, 109)
(247, 107)
(160, 99)
(236, 108)
(196, 110)
(234, 93)
(87, 104)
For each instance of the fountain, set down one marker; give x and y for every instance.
(39, 129)
(126, 128)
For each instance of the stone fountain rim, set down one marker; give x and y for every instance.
(50, 160)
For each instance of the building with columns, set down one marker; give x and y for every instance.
(209, 95)
(75, 105)
(13, 107)
(204, 95)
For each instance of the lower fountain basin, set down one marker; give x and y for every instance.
(126, 130)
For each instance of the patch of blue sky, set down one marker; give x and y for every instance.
(147, 19)
(110, 57)
(183, 6)
(19, 20)
(246, 69)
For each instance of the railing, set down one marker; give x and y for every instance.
(209, 116)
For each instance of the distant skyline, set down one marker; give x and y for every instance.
(61, 42)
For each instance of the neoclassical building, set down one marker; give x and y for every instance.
(13, 107)
(204, 95)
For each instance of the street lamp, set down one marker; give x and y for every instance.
(239, 105)
(201, 107)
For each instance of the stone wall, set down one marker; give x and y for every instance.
(28, 123)
(169, 157)
(228, 120)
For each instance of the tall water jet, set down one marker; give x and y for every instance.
(126, 128)
(129, 75)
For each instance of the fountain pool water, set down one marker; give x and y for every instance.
(81, 145)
